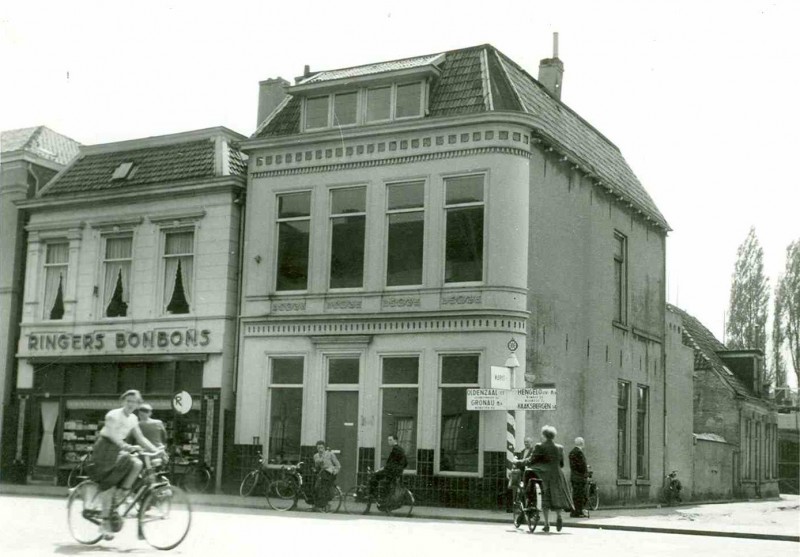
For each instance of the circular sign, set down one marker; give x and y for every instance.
(512, 345)
(182, 402)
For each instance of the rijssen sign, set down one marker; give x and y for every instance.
(534, 398)
(164, 340)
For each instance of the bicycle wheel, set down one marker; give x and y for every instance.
(196, 479)
(356, 500)
(593, 501)
(282, 495)
(335, 501)
(83, 513)
(76, 476)
(249, 483)
(165, 516)
(404, 506)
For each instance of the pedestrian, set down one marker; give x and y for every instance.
(396, 462)
(327, 466)
(548, 461)
(152, 429)
(578, 476)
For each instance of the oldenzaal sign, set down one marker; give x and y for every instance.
(532, 398)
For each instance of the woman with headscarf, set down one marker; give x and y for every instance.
(548, 461)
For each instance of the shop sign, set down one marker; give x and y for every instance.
(182, 402)
(98, 341)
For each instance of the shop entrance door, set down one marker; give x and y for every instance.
(47, 447)
(341, 433)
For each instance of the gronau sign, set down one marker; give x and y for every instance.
(541, 398)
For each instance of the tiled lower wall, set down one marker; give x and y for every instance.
(488, 492)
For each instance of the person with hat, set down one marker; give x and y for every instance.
(152, 429)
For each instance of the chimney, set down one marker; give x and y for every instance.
(551, 71)
(270, 94)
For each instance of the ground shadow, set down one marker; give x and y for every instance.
(82, 549)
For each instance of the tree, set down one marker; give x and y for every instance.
(747, 315)
(789, 293)
(778, 339)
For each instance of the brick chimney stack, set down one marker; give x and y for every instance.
(270, 94)
(551, 71)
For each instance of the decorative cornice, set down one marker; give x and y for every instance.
(179, 216)
(392, 161)
(112, 224)
(55, 226)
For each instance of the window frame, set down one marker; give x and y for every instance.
(624, 457)
(101, 296)
(162, 256)
(445, 208)
(643, 453)
(45, 312)
(331, 217)
(437, 471)
(278, 221)
(383, 385)
(270, 385)
(620, 312)
(387, 215)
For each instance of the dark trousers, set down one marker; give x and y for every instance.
(578, 494)
(323, 488)
(380, 482)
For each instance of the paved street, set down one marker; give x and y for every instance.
(37, 526)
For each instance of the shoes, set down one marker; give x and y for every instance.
(517, 520)
(559, 524)
(105, 529)
(546, 528)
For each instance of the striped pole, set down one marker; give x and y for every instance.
(511, 441)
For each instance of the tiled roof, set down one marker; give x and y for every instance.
(371, 69)
(40, 141)
(706, 346)
(158, 164)
(462, 88)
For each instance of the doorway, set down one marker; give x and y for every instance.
(341, 433)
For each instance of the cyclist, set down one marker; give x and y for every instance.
(152, 429)
(396, 462)
(327, 466)
(522, 467)
(114, 465)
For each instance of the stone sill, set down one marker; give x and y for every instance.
(624, 482)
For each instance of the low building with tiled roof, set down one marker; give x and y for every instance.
(735, 421)
(29, 157)
(407, 220)
(131, 282)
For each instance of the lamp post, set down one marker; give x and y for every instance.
(511, 438)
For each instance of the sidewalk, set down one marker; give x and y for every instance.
(775, 519)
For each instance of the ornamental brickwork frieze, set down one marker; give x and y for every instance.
(461, 300)
(353, 303)
(289, 306)
(397, 302)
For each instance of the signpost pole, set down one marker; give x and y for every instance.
(511, 420)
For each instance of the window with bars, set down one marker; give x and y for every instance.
(285, 409)
(55, 279)
(459, 439)
(400, 405)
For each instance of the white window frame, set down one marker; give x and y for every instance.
(278, 221)
(332, 216)
(102, 274)
(271, 385)
(422, 209)
(445, 208)
(438, 440)
(163, 269)
(381, 386)
(45, 312)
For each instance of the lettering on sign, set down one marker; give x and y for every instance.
(121, 340)
(486, 399)
(512, 399)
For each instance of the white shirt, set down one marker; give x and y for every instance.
(118, 426)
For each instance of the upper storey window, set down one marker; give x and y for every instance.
(55, 280)
(367, 105)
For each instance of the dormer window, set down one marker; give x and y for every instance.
(123, 172)
(367, 105)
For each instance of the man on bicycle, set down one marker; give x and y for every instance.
(327, 466)
(396, 462)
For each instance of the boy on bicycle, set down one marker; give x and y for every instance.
(327, 466)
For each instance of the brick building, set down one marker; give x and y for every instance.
(131, 282)
(29, 157)
(735, 421)
(406, 219)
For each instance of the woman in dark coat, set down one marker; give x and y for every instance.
(548, 461)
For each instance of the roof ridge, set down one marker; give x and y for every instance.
(508, 79)
(37, 131)
(559, 101)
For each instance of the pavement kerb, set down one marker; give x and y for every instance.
(425, 513)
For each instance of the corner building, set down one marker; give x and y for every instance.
(405, 221)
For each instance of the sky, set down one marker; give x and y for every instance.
(700, 96)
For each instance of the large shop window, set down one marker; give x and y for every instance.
(55, 279)
(642, 433)
(620, 278)
(623, 444)
(406, 233)
(294, 224)
(459, 428)
(464, 229)
(348, 221)
(178, 271)
(400, 404)
(116, 287)
(285, 409)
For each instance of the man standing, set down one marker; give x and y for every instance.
(578, 476)
(396, 462)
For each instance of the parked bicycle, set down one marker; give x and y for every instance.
(258, 476)
(80, 472)
(592, 496)
(284, 493)
(399, 500)
(528, 501)
(192, 474)
(162, 510)
(672, 488)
